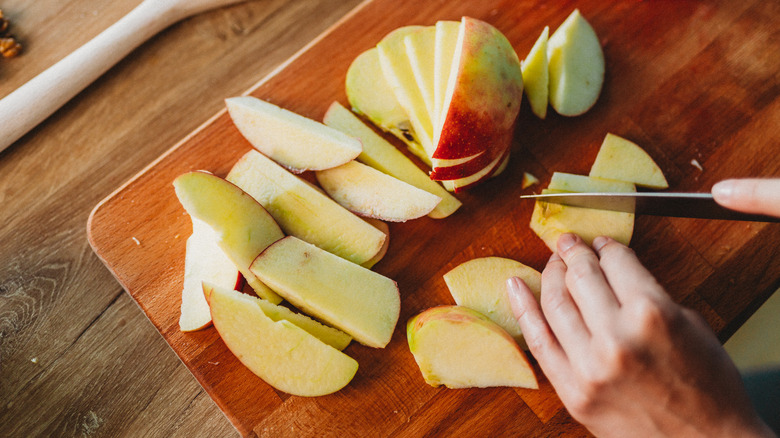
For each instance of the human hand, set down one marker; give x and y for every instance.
(623, 357)
(753, 195)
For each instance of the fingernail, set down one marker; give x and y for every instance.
(723, 191)
(566, 241)
(599, 242)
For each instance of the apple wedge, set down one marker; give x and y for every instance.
(302, 210)
(296, 142)
(444, 52)
(282, 354)
(536, 76)
(204, 260)
(366, 191)
(419, 47)
(383, 227)
(624, 160)
(383, 156)
(550, 220)
(242, 226)
(480, 284)
(358, 301)
(460, 348)
(576, 66)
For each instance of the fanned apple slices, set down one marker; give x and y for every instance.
(460, 85)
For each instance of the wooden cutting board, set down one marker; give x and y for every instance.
(695, 83)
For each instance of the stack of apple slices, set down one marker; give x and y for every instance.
(451, 91)
(619, 166)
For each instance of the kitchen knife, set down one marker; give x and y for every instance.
(691, 205)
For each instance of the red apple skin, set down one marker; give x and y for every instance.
(472, 166)
(487, 176)
(486, 98)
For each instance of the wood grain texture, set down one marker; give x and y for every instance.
(100, 368)
(686, 80)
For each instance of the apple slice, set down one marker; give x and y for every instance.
(383, 227)
(204, 260)
(368, 192)
(303, 211)
(296, 142)
(242, 226)
(420, 46)
(576, 66)
(358, 301)
(383, 156)
(480, 284)
(483, 94)
(550, 220)
(369, 94)
(444, 52)
(493, 168)
(536, 76)
(461, 348)
(282, 354)
(624, 160)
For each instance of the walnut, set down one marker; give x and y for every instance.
(9, 47)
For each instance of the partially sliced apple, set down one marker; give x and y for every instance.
(550, 220)
(445, 42)
(242, 226)
(480, 284)
(576, 66)
(381, 155)
(461, 348)
(624, 160)
(358, 301)
(294, 141)
(368, 192)
(536, 76)
(420, 46)
(282, 354)
(303, 211)
(204, 260)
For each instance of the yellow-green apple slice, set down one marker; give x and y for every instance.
(369, 94)
(284, 355)
(356, 300)
(302, 210)
(483, 95)
(368, 192)
(458, 347)
(204, 260)
(420, 47)
(398, 73)
(242, 226)
(480, 284)
(383, 156)
(550, 220)
(444, 52)
(576, 66)
(624, 160)
(536, 77)
(296, 142)
(383, 227)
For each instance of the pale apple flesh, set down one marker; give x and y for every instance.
(243, 227)
(294, 141)
(381, 226)
(460, 348)
(480, 284)
(282, 354)
(360, 302)
(536, 77)
(420, 46)
(368, 192)
(445, 41)
(624, 160)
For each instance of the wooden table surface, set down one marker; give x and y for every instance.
(79, 358)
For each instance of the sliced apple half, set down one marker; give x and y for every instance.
(303, 211)
(383, 156)
(204, 260)
(368, 192)
(445, 42)
(356, 300)
(294, 141)
(461, 348)
(480, 284)
(576, 66)
(536, 76)
(242, 226)
(624, 160)
(282, 354)
(550, 220)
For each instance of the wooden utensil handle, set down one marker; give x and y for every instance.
(36, 100)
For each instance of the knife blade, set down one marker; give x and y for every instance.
(671, 204)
